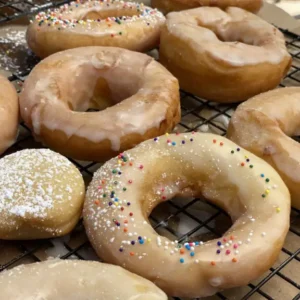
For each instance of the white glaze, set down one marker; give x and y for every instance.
(199, 164)
(234, 36)
(76, 280)
(264, 125)
(48, 93)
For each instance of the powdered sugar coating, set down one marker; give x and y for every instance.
(35, 185)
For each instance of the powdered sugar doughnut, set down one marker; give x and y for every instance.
(127, 188)
(41, 195)
(111, 23)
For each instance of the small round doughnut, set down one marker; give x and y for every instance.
(111, 23)
(75, 279)
(54, 104)
(224, 56)
(264, 125)
(41, 195)
(126, 189)
(167, 6)
(9, 114)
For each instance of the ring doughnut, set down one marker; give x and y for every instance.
(41, 195)
(121, 197)
(176, 5)
(264, 124)
(224, 56)
(111, 23)
(104, 77)
(75, 279)
(9, 114)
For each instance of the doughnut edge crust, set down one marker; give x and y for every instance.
(125, 190)
(9, 115)
(264, 124)
(81, 25)
(56, 114)
(167, 6)
(75, 279)
(207, 50)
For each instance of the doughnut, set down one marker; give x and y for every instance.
(95, 23)
(41, 195)
(75, 279)
(264, 125)
(9, 114)
(126, 189)
(176, 5)
(54, 104)
(223, 56)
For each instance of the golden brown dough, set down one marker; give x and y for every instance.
(264, 125)
(176, 5)
(9, 114)
(143, 95)
(75, 280)
(126, 189)
(110, 23)
(41, 195)
(224, 56)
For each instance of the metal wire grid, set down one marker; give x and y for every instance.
(204, 220)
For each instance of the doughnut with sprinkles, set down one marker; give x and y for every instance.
(113, 23)
(125, 190)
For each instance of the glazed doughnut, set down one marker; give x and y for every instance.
(264, 125)
(41, 195)
(76, 280)
(9, 114)
(111, 23)
(126, 189)
(176, 5)
(224, 56)
(103, 77)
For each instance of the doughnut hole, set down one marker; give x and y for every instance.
(187, 219)
(95, 14)
(96, 89)
(207, 186)
(103, 97)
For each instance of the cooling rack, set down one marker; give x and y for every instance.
(181, 219)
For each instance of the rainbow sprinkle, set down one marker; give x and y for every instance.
(112, 189)
(65, 16)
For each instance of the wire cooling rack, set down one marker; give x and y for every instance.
(180, 219)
